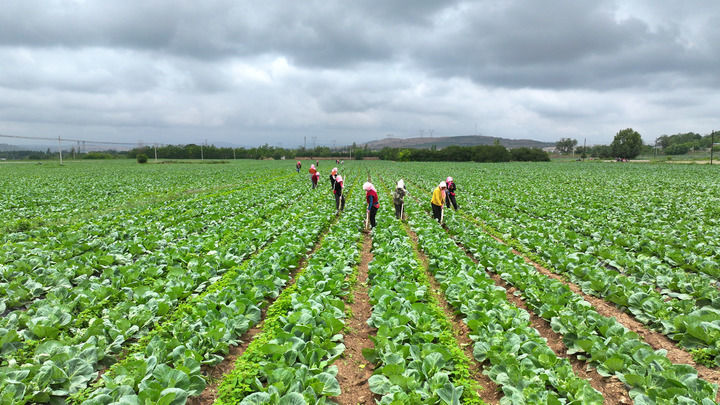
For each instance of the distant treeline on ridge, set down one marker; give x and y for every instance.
(478, 153)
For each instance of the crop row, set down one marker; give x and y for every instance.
(37, 197)
(291, 360)
(601, 341)
(37, 272)
(166, 364)
(688, 321)
(691, 323)
(606, 245)
(84, 296)
(656, 217)
(521, 362)
(100, 342)
(416, 356)
(120, 234)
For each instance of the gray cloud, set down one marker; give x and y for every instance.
(350, 71)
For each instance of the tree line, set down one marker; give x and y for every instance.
(478, 153)
(628, 144)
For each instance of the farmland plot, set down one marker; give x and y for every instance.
(233, 283)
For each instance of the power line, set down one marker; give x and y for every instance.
(66, 140)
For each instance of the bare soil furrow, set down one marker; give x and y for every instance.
(353, 370)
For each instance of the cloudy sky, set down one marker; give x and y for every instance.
(248, 72)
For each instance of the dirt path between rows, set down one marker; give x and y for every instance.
(490, 392)
(353, 370)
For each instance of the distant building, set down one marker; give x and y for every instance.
(550, 149)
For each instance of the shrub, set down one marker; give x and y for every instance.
(142, 158)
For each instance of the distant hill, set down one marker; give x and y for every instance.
(465, 140)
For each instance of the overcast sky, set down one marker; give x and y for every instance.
(248, 72)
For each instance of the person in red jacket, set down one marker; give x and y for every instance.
(298, 165)
(371, 197)
(314, 176)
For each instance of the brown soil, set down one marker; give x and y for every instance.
(353, 370)
(655, 339)
(490, 392)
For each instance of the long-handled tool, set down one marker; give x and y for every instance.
(367, 219)
(442, 214)
(402, 210)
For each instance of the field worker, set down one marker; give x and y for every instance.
(317, 163)
(399, 198)
(333, 174)
(338, 191)
(371, 197)
(438, 199)
(314, 175)
(298, 165)
(451, 192)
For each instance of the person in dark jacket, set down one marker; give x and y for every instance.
(333, 174)
(399, 198)
(450, 191)
(371, 197)
(338, 191)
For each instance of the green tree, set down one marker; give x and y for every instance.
(627, 144)
(565, 145)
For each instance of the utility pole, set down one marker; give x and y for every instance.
(304, 142)
(155, 147)
(60, 150)
(584, 148)
(233, 153)
(712, 145)
(201, 152)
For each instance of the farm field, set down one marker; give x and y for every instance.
(236, 283)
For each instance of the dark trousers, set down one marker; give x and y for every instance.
(398, 209)
(339, 202)
(451, 199)
(314, 182)
(437, 211)
(373, 211)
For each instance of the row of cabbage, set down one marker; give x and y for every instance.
(684, 306)
(416, 356)
(596, 244)
(520, 361)
(41, 195)
(165, 367)
(291, 360)
(37, 268)
(644, 209)
(602, 342)
(132, 300)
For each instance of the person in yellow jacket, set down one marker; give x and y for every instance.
(438, 200)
